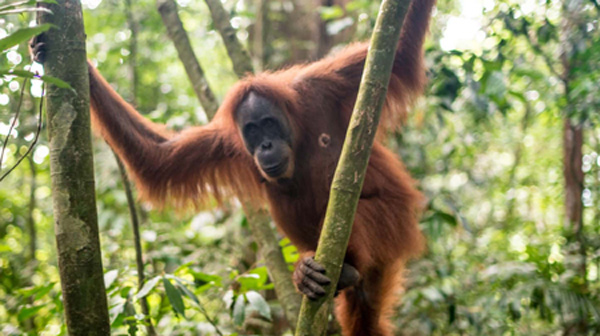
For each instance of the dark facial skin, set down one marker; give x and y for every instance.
(267, 136)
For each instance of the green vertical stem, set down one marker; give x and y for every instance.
(139, 261)
(133, 210)
(350, 172)
(30, 220)
(72, 173)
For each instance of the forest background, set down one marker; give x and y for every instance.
(505, 145)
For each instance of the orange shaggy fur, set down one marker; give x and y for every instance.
(187, 167)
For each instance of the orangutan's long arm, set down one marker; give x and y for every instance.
(179, 167)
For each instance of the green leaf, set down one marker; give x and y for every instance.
(148, 286)
(16, 4)
(22, 35)
(25, 3)
(110, 277)
(336, 26)
(239, 311)
(357, 5)
(228, 299)
(203, 279)
(258, 303)
(183, 288)
(28, 74)
(28, 312)
(125, 291)
(38, 291)
(116, 315)
(256, 279)
(432, 294)
(174, 297)
(330, 12)
(44, 290)
(290, 254)
(248, 282)
(25, 10)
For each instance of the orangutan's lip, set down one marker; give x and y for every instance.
(277, 169)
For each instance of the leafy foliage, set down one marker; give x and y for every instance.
(485, 146)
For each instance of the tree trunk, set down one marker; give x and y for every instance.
(572, 159)
(573, 175)
(352, 166)
(572, 144)
(72, 174)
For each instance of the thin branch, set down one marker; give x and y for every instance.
(168, 12)
(35, 139)
(30, 219)
(242, 63)
(133, 213)
(133, 27)
(208, 318)
(260, 32)
(14, 121)
(135, 223)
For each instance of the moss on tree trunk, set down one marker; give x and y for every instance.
(72, 174)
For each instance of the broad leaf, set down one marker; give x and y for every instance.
(174, 297)
(22, 35)
(183, 288)
(239, 311)
(110, 277)
(148, 286)
(25, 3)
(258, 303)
(27, 74)
(25, 10)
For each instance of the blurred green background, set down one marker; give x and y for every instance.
(507, 253)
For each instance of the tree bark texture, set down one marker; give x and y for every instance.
(573, 174)
(350, 172)
(242, 63)
(72, 175)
